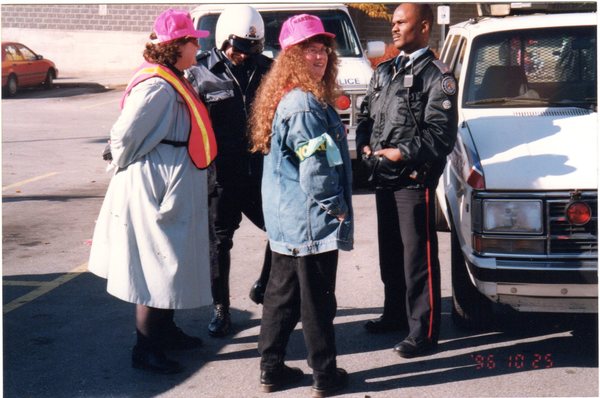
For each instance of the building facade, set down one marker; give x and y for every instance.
(100, 37)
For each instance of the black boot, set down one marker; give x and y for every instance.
(411, 347)
(220, 324)
(325, 385)
(148, 355)
(283, 376)
(176, 339)
(385, 325)
(173, 337)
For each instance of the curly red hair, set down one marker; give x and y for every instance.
(288, 72)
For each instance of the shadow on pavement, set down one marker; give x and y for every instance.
(550, 341)
(76, 341)
(545, 352)
(60, 90)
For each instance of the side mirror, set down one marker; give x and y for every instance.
(375, 49)
(38, 57)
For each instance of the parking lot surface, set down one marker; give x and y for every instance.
(64, 336)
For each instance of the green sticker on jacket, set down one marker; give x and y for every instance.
(323, 143)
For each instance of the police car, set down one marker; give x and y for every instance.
(519, 192)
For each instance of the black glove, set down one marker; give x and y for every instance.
(106, 154)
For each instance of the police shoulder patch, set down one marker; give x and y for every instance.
(449, 85)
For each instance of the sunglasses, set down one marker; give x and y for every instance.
(238, 51)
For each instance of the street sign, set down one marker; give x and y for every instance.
(443, 15)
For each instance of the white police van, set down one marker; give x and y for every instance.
(519, 192)
(355, 70)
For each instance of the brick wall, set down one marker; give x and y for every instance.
(109, 38)
(107, 17)
(139, 17)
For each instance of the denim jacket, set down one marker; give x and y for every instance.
(302, 193)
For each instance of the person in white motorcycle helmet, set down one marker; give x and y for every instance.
(226, 78)
(240, 29)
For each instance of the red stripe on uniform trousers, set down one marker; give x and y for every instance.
(429, 276)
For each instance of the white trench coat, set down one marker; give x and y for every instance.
(151, 240)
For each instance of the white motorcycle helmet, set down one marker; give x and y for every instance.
(242, 27)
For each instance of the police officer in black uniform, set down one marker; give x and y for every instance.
(226, 78)
(408, 129)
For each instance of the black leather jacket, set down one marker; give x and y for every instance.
(419, 119)
(229, 107)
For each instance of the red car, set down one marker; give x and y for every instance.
(21, 67)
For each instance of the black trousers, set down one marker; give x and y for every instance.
(300, 288)
(408, 259)
(227, 203)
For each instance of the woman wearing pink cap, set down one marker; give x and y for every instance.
(306, 192)
(151, 237)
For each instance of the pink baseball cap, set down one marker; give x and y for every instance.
(175, 24)
(301, 27)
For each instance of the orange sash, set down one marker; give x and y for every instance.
(202, 145)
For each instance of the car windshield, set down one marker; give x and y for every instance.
(535, 67)
(334, 21)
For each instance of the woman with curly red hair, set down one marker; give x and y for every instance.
(306, 191)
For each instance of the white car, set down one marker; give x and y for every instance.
(519, 192)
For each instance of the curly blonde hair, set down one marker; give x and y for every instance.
(288, 72)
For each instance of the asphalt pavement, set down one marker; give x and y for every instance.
(72, 339)
(110, 80)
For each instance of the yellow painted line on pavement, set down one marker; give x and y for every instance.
(27, 181)
(44, 287)
(96, 105)
(24, 283)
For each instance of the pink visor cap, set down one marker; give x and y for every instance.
(299, 28)
(175, 24)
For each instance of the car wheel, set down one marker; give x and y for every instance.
(49, 82)
(470, 309)
(12, 86)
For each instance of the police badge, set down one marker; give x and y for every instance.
(449, 85)
(252, 32)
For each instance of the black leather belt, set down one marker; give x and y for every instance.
(174, 143)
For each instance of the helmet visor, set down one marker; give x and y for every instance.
(246, 46)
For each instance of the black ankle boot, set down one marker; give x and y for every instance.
(148, 355)
(281, 377)
(328, 384)
(176, 339)
(220, 324)
(153, 360)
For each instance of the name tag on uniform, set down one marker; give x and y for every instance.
(408, 81)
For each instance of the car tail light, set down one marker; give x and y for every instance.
(342, 102)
